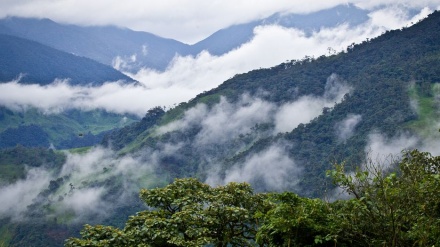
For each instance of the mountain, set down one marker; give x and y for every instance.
(130, 50)
(232, 37)
(64, 130)
(102, 44)
(41, 64)
(281, 128)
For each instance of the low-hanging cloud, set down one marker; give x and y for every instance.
(380, 147)
(270, 170)
(308, 107)
(188, 76)
(112, 96)
(188, 21)
(85, 185)
(20, 194)
(345, 128)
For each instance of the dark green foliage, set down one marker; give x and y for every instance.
(42, 64)
(28, 136)
(118, 139)
(379, 71)
(294, 221)
(13, 161)
(65, 130)
(397, 207)
(185, 213)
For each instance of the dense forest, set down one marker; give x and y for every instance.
(397, 207)
(42, 64)
(64, 130)
(246, 129)
(381, 78)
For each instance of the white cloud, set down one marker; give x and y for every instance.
(186, 20)
(345, 128)
(226, 120)
(271, 169)
(385, 151)
(306, 108)
(20, 194)
(188, 76)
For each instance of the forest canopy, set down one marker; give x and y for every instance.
(397, 206)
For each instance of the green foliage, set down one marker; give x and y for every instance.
(42, 64)
(379, 71)
(68, 129)
(186, 213)
(294, 221)
(399, 208)
(118, 139)
(14, 160)
(424, 96)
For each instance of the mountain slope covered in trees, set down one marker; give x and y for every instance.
(131, 50)
(280, 129)
(371, 84)
(64, 130)
(41, 64)
(102, 44)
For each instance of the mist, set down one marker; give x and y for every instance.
(17, 196)
(269, 170)
(87, 187)
(345, 129)
(188, 76)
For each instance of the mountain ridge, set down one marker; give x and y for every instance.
(42, 64)
(379, 73)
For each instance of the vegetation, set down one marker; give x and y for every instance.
(395, 207)
(42, 64)
(64, 130)
(13, 161)
(379, 71)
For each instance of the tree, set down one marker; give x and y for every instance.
(294, 221)
(399, 208)
(185, 213)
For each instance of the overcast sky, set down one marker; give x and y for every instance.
(186, 20)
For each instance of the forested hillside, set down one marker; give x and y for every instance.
(281, 130)
(247, 117)
(37, 63)
(387, 208)
(131, 50)
(102, 44)
(63, 130)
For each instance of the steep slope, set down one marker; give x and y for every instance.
(232, 37)
(238, 130)
(41, 64)
(130, 50)
(102, 44)
(64, 130)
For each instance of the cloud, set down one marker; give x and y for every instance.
(18, 195)
(186, 20)
(270, 170)
(188, 76)
(112, 96)
(226, 120)
(385, 151)
(89, 186)
(345, 128)
(306, 108)
(85, 202)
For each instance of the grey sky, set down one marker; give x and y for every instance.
(185, 20)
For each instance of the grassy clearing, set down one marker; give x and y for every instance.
(427, 110)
